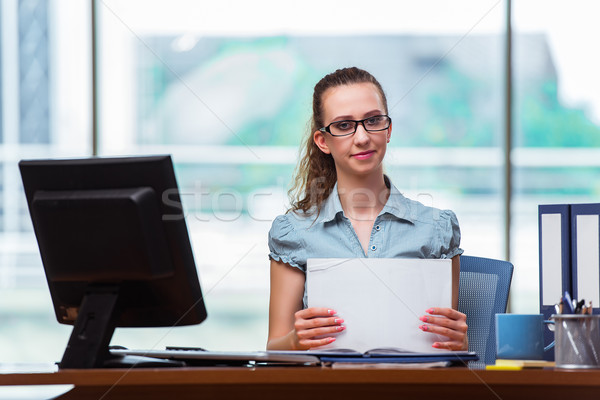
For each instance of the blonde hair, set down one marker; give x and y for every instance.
(315, 174)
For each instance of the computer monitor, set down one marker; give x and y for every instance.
(115, 248)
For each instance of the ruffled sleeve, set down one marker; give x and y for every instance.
(449, 235)
(284, 243)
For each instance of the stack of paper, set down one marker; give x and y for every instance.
(381, 299)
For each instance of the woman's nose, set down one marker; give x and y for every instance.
(361, 136)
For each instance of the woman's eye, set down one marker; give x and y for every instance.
(374, 121)
(343, 125)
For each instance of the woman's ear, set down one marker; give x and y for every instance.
(389, 133)
(319, 140)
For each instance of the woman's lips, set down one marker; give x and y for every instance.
(363, 155)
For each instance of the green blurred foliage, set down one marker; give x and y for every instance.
(544, 122)
(264, 86)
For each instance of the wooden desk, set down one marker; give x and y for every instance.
(316, 383)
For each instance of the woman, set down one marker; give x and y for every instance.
(344, 206)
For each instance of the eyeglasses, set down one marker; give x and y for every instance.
(348, 127)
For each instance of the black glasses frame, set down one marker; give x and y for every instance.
(356, 122)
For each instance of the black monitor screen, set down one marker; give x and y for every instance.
(115, 247)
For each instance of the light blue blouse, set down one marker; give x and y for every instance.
(403, 229)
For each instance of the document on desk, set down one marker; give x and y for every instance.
(380, 300)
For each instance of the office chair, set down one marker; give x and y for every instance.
(483, 292)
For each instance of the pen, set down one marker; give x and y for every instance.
(568, 303)
(579, 306)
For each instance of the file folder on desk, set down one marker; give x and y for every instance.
(555, 260)
(555, 255)
(585, 253)
(387, 356)
(449, 358)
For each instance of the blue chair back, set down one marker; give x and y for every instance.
(483, 292)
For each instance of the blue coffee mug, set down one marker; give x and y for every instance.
(521, 336)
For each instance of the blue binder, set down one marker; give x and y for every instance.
(554, 223)
(585, 253)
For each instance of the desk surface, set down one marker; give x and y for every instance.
(302, 383)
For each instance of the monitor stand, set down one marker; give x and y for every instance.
(93, 330)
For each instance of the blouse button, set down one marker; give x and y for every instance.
(373, 248)
(377, 227)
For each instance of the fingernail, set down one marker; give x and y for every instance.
(436, 345)
(331, 312)
(338, 320)
(424, 319)
(331, 339)
(430, 311)
(423, 327)
(340, 328)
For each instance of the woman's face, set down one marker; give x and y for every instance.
(362, 153)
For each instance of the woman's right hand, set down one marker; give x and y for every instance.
(313, 325)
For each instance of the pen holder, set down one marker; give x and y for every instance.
(577, 341)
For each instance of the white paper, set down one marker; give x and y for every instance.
(551, 259)
(380, 299)
(588, 259)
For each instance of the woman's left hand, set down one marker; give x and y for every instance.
(447, 322)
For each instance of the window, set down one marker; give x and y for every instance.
(45, 112)
(556, 124)
(225, 87)
(230, 98)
